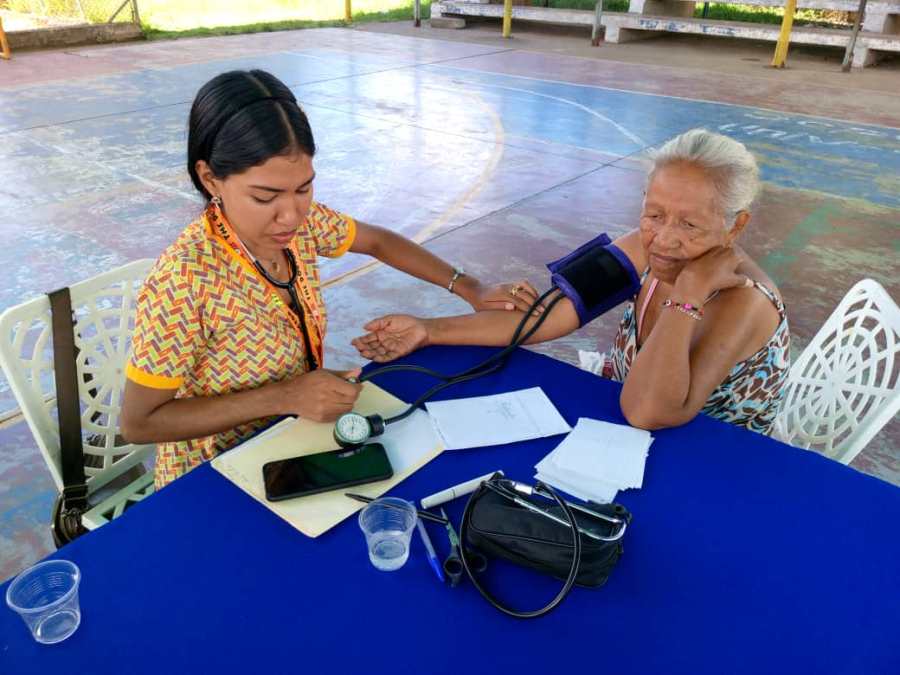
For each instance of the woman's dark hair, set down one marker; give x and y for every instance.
(240, 119)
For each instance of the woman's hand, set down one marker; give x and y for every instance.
(713, 271)
(519, 295)
(321, 395)
(391, 337)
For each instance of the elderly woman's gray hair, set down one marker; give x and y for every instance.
(729, 164)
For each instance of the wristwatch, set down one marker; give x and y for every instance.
(457, 273)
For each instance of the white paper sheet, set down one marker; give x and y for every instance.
(616, 450)
(596, 460)
(598, 493)
(494, 420)
(407, 441)
(584, 486)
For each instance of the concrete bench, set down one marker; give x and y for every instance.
(569, 17)
(880, 33)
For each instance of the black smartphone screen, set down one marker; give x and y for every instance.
(325, 471)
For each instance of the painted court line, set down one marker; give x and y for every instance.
(676, 98)
(634, 138)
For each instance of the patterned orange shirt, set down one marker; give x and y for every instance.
(208, 323)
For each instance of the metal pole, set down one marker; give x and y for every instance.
(116, 13)
(135, 14)
(417, 13)
(595, 31)
(348, 11)
(4, 43)
(848, 55)
(784, 39)
(507, 18)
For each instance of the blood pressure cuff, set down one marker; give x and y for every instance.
(596, 277)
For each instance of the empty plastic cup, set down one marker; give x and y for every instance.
(388, 523)
(46, 597)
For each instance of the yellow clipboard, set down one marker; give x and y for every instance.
(315, 514)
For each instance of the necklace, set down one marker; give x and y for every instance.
(255, 260)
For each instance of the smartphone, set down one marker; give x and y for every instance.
(324, 471)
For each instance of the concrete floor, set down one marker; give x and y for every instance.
(499, 155)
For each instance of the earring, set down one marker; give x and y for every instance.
(217, 200)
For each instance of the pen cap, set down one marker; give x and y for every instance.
(452, 493)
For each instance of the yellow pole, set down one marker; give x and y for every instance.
(784, 39)
(348, 11)
(4, 43)
(507, 18)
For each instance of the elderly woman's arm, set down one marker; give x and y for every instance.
(396, 335)
(684, 360)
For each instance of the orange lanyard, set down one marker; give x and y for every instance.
(305, 298)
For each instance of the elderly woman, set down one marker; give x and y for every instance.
(231, 322)
(706, 331)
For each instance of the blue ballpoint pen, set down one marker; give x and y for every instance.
(429, 549)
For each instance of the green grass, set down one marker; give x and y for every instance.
(94, 11)
(718, 11)
(608, 5)
(753, 14)
(223, 17)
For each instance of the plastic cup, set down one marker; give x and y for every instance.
(388, 523)
(46, 597)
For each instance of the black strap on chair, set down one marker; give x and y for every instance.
(73, 501)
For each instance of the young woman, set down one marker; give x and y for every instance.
(231, 323)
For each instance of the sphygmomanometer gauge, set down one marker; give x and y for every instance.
(355, 429)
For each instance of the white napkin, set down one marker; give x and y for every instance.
(596, 460)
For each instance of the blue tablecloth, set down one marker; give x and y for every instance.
(744, 556)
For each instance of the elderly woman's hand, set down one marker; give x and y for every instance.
(391, 337)
(713, 271)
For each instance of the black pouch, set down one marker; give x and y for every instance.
(502, 528)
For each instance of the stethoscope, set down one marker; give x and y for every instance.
(354, 429)
(290, 287)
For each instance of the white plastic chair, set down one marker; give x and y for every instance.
(104, 308)
(844, 387)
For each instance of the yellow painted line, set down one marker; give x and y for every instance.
(477, 186)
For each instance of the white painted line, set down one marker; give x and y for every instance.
(676, 98)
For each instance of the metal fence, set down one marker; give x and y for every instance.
(34, 14)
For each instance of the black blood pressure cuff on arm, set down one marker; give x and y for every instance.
(595, 277)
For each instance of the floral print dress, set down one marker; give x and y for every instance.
(750, 395)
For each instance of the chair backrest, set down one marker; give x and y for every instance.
(844, 387)
(104, 308)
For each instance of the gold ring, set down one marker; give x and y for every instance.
(514, 291)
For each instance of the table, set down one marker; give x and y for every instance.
(744, 556)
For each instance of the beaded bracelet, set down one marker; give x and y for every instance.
(696, 313)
